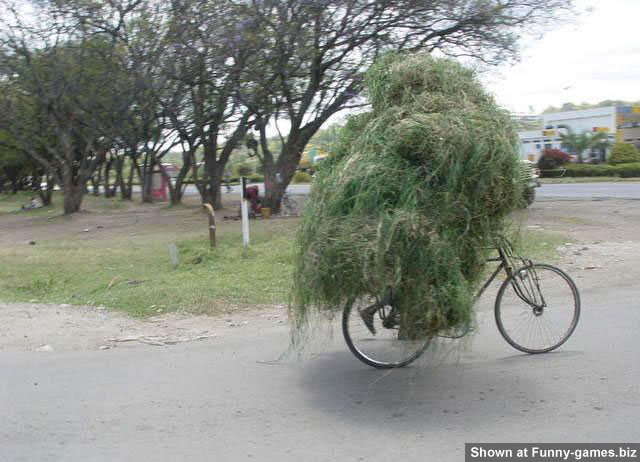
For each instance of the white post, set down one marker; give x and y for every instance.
(244, 210)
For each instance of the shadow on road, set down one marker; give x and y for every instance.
(429, 393)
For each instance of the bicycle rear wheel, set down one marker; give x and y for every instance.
(377, 345)
(537, 308)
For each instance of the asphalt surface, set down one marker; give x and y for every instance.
(556, 190)
(575, 191)
(223, 400)
(590, 190)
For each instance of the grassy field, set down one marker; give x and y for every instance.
(130, 270)
(10, 204)
(133, 273)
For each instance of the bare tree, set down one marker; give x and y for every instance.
(319, 49)
(212, 43)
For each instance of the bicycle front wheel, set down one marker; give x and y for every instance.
(373, 336)
(537, 308)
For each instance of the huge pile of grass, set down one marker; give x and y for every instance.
(410, 198)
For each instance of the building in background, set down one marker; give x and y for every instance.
(620, 124)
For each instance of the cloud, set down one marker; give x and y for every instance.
(592, 59)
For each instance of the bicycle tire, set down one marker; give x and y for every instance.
(408, 352)
(562, 289)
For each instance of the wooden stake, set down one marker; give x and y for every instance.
(212, 224)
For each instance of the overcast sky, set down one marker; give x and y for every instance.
(595, 58)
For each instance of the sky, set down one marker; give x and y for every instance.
(593, 58)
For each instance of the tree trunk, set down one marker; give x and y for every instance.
(278, 175)
(14, 185)
(97, 179)
(127, 192)
(119, 183)
(107, 175)
(176, 190)
(73, 195)
(46, 194)
(73, 190)
(147, 177)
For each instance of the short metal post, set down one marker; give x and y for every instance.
(244, 210)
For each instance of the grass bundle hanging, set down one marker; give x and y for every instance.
(409, 199)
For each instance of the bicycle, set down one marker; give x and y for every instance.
(531, 297)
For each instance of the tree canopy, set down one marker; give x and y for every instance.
(91, 84)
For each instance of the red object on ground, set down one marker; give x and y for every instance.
(160, 181)
(159, 186)
(251, 194)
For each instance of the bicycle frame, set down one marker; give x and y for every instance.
(504, 260)
(504, 257)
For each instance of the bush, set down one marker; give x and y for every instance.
(622, 153)
(255, 178)
(301, 177)
(588, 170)
(244, 169)
(631, 170)
(553, 158)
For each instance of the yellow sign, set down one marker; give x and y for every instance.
(635, 109)
(548, 132)
(601, 129)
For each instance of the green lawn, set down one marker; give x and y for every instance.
(11, 203)
(130, 271)
(133, 274)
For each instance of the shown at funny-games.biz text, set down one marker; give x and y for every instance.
(551, 452)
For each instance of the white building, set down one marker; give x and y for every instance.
(621, 124)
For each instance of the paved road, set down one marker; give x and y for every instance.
(215, 400)
(590, 190)
(567, 190)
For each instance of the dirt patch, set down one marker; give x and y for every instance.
(51, 328)
(130, 218)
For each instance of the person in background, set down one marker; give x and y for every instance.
(227, 181)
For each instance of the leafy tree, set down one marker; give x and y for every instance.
(212, 43)
(61, 96)
(578, 143)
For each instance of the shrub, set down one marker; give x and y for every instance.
(622, 153)
(553, 158)
(244, 169)
(589, 170)
(631, 170)
(301, 177)
(255, 178)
